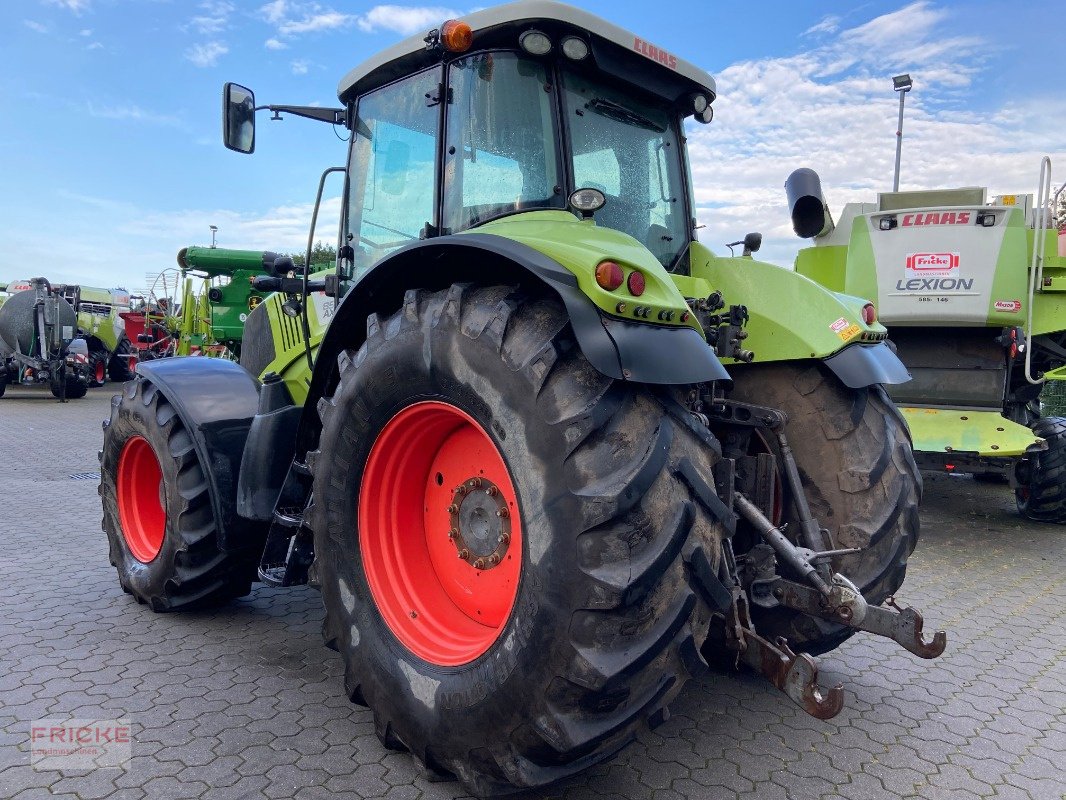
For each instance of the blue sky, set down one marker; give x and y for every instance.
(111, 159)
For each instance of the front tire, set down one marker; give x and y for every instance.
(75, 388)
(158, 517)
(856, 464)
(1041, 493)
(598, 620)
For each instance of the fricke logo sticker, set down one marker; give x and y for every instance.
(933, 272)
(1009, 306)
(942, 264)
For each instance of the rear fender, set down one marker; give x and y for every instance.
(792, 317)
(216, 400)
(618, 348)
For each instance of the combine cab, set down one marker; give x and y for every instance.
(974, 292)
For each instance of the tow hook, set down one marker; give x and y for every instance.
(795, 674)
(845, 605)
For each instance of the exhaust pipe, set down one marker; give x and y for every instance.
(810, 213)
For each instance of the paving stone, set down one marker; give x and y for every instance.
(245, 702)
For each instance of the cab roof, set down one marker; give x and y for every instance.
(614, 49)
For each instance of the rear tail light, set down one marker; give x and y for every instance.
(609, 275)
(869, 314)
(635, 284)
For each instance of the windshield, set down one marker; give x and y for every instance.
(500, 151)
(628, 149)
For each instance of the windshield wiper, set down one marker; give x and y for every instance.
(622, 114)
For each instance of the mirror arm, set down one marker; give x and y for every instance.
(334, 116)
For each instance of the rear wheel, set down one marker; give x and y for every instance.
(157, 509)
(502, 543)
(1041, 477)
(853, 450)
(123, 362)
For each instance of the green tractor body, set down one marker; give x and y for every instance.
(544, 454)
(972, 289)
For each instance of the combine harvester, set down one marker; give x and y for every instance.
(543, 453)
(974, 291)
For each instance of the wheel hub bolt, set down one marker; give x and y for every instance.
(502, 512)
(452, 509)
(479, 564)
(464, 554)
(474, 483)
(504, 538)
(492, 491)
(453, 533)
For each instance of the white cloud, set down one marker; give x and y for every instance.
(319, 21)
(131, 112)
(206, 55)
(35, 26)
(85, 32)
(299, 67)
(275, 11)
(119, 241)
(275, 44)
(828, 24)
(296, 18)
(405, 20)
(75, 6)
(95, 46)
(832, 108)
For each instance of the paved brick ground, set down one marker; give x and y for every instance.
(245, 701)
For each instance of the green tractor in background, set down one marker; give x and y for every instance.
(203, 311)
(542, 452)
(974, 291)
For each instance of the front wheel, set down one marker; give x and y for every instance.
(74, 388)
(502, 542)
(856, 464)
(1041, 491)
(158, 517)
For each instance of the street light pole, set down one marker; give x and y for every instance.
(902, 84)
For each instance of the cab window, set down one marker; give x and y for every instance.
(500, 152)
(393, 167)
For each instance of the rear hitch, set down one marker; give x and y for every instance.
(846, 605)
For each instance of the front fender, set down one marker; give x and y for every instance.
(216, 401)
(793, 317)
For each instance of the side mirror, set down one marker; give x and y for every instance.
(752, 243)
(238, 118)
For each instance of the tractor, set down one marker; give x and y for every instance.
(543, 453)
(973, 290)
(39, 340)
(216, 298)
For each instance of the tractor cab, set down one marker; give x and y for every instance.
(513, 110)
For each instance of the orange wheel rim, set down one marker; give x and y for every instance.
(139, 487)
(440, 533)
